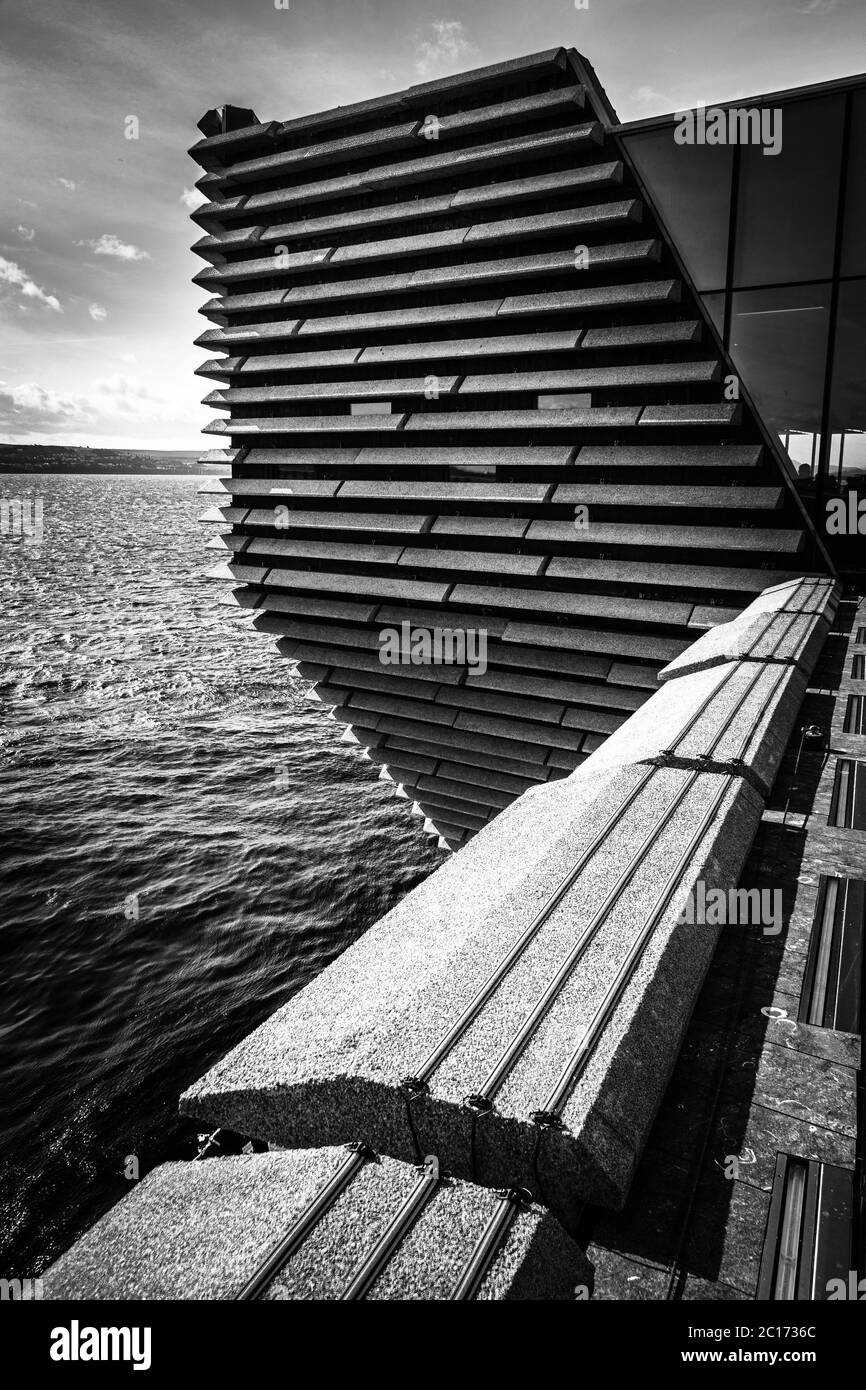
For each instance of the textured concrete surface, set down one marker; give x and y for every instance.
(200, 1230)
(788, 622)
(328, 1066)
(742, 710)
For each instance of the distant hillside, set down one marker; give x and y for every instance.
(65, 458)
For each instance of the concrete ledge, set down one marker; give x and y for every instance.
(786, 623)
(329, 1065)
(200, 1230)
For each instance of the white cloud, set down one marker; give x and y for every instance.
(192, 198)
(120, 394)
(110, 245)
(818, 7)
(25, 233)
(30, 406)
(97, 313)
(12, 274)
(128, 357)
(447, 47)
(117, 399)
(69, 184)
(26, 203)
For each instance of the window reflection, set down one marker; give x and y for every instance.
(848, 400)
(854, 243)
(715, 306)
(691, 184)
(787, 203)
(779, 343)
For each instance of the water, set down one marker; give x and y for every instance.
(185, 842)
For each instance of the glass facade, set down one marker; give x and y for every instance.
(776, 245)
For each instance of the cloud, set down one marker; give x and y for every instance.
(31, 406)
(97, 313)
(651, 99)
(818, 7)
(26, 203)
(192, 198)
(69, 184)
(120, 394)
(117, 399)
(447, 47)
(25, 233)
(110, 245)
(12, 274)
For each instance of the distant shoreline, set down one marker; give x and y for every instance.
(7, 468)
(47, 459)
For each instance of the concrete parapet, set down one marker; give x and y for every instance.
(206, 1231)
(520, 1012)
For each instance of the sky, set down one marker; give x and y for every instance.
(97, 309)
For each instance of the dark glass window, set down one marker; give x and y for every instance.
(691, 186)
(715, 305)
(848, 396)
(854, 243)
(779, 343)
(787, 202)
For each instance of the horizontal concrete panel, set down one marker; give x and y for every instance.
(545, 735)
(311, 424)
(669, 456)
(642, 572)
(686, 495)
(491, 527)
(411, 490)
(602, 417)
(306, 606)
(480, 561)
(377, 587)
(514, 750)
(401, 318)
(467, 455)
(724, 413)
(348, 552)
(597, 297)
(656, 373)
(297, 361)
(274, 487)
(391, 614)
(449, 348)
(570, 690)
(536, 224)
(486, 701)
(751, 538)
(647, 646)
(333, 390)
(624, 607)
(339, 521)
(642, 335)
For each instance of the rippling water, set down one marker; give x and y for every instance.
(185, 842)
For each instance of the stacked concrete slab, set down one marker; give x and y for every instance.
(473, 266)
(520, 1012)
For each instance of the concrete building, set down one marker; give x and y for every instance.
(506, 478)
